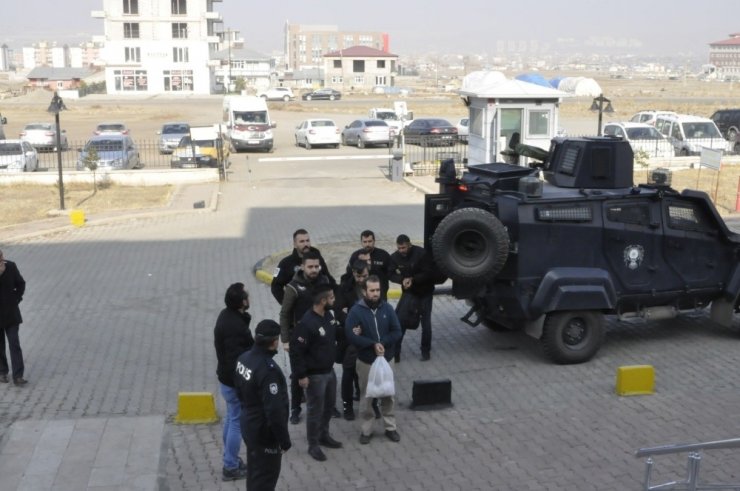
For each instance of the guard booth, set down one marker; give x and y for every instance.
(504, 112)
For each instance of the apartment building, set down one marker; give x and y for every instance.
(359, 68)
(305, 45)
(159, 46)
(725, 55)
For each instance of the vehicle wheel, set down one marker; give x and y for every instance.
(573, 336)
(308, 144)
(737, 147)
(308, 97)
(470, 244)
(336, 145)
(344, 141)
(286, 98)
(683, 153)
(360, 142)
(297, 143)
(331, 97)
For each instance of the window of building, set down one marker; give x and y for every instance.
(179, 7)
(179, 30)
(358, 66)
(380, 80)
(130, 80)
(539, 123)
(337, 63)
(360, 80)
(131, 7)
(180, 55)
(131, 30)
(132, 55)
(349, 40)
(380, 64)
(476, 121)
(178, 80)
(336, 80)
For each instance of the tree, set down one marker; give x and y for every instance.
(240, 84)
(91, 162)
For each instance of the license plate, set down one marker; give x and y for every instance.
(446, 137)
(189, 166)
(253, 142)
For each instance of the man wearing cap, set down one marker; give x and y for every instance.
(263, 394)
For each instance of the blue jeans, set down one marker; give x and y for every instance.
(232, 427)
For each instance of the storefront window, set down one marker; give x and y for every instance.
(130, 80)
(178, 80)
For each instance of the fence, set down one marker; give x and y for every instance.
(426, 156)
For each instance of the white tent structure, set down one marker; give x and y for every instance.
(580, 86)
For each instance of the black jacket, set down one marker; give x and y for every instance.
(296, 302)
(263, 393)
(380, 266)
(288, 267)
(416, 264)
(12, 288)
(231, 337)
(313, 346)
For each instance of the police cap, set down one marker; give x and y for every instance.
(268, 328)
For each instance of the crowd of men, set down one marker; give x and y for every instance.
(322, 322)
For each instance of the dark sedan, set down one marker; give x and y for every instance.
(430, 131)
(322, 95)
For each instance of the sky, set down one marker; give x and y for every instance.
(678, 27)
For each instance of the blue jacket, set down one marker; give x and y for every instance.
(378, 325)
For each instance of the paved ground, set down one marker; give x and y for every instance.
(119, 319)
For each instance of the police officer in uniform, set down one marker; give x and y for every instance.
(263, 394)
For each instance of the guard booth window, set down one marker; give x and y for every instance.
(511, 122)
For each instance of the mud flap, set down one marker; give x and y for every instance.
(473, 318)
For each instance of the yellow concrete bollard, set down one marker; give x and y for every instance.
(77, 217)
(635, 380)
(196, 408)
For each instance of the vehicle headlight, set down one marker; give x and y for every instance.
(268, 134)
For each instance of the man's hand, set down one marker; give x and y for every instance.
(357, 330)
(303, 382)
(286, 346)
(407, 282)
(379, 349)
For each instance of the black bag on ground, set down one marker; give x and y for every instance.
(408, 311)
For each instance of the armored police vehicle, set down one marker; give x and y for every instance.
(554, 257)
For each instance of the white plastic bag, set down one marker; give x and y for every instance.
(380, 379)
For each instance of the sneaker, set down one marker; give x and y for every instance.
(393, 435)
(335, 413)
(317, 453)
(295, 416)
(4, 378)
(329, 442)
(234, 474)
(376, 409)
(349, 412)
(365, 439)
(20, 381)
(425, 356)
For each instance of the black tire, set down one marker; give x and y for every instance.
(360, 142)
(573, 336)
(470, 244)
(308, 144)
(344, 141)
(683, 153)
(297, 143)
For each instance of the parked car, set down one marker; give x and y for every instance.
(313, 132)
(728, 123)
(689, 134)
(322, 95)
(642, 137)
(170, 135)
(202, 147)
(649, 117)
(463, 129)
(364, 132)
(111, 128)
(430, 131)
(114, 151)
(3, 122)
(43, 136)
(277, 94)
(18, 156)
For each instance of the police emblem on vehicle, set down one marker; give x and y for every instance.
(273, 389)
(633, 255)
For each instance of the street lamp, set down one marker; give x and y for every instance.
(598, 105)
(55, 107)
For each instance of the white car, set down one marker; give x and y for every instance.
(277, 94)
(463, 129)
(641, 137)
(18, 156)
(649, 117)
(313, 132)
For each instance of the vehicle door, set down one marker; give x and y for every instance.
(676, 137)
(632, 246)
(29, 156)
(355, 129)
(301, 132)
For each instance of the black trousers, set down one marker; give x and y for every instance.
(296, 393)
(321, 397)
(16, 355)
(349, 375)
(263, 468)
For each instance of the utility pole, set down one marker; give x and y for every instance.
(228, 32)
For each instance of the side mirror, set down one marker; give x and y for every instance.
(273, 125)
(159, 132)
(4, 120)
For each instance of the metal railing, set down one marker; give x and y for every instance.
(426, 156)
(691, 482)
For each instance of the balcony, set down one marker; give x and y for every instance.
(214, 16)
(97, 14)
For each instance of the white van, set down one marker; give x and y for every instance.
(248, 123)
(689, 134)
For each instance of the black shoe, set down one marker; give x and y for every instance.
(365, 439)
(349, 412)
(4, 378)
(295, 416)
(20, 381)
(376, 409)
(335, 413)
(425, 356)
(393, 435)
(329, 442)
(234, 474)
(316, 453)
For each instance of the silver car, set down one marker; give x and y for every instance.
(111, 151)
(18, 156)
(170, 135)
(364, 132)
(43, 136)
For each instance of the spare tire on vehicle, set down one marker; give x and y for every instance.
(470, 244)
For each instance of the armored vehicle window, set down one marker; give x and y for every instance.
(687, 217)
(634, 214)
(564, 214)
(570, 158)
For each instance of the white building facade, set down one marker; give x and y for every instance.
(159, 46)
